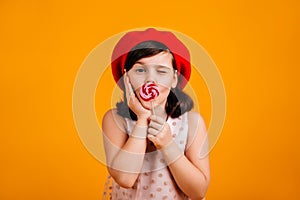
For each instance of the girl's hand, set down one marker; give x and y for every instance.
(159, 132)
(133, 103)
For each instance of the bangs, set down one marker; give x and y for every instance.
(146, 49)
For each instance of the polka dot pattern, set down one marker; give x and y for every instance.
(155, 181)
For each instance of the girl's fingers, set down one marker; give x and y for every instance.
(132, 101)
(126, 85)
(152, 131)
(160, 138)
(156, 125)
(155, 128)
(128, 88)
(157, 119)
(152, 138)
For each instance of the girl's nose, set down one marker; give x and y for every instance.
(150, 80)
(150, 77)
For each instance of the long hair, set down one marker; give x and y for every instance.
(178, 102)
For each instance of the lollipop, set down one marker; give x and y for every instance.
(149, 91)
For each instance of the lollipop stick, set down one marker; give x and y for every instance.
(152, 107)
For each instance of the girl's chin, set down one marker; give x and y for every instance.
(150, 104)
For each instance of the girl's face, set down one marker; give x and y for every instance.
(157, 69)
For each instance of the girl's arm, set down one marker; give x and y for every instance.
(124, 155)
(190, 171)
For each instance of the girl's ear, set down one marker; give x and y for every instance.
(175, 79)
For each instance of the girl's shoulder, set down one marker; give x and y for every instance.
(195, 120)
(113, 119)
(194, 116)
(196, 125)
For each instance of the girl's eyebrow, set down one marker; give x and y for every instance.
(163, 66)
(159, 66)
(139, 62)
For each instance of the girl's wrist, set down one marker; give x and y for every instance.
(139, 132)
(142, 121)
(171, 152)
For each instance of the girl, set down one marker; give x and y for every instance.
(153, 148)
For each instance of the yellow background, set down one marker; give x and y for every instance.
(255, 45)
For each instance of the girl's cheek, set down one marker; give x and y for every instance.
(137, 83)
(164, 84)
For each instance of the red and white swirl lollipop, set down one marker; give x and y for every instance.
(149, 91)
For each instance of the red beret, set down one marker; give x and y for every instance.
(131, 39)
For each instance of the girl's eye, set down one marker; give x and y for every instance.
(161, 71)
(140, 70)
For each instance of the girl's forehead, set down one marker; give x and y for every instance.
(163, 59)
(149, 66)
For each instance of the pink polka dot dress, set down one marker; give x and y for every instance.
(155, 180)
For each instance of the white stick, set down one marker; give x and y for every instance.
(152, 107)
